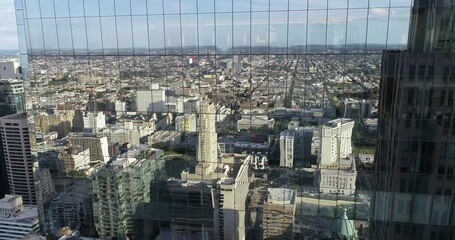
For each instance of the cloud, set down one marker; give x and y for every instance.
(8, 31)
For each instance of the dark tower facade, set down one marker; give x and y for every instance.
(12, 101)
(413, 180)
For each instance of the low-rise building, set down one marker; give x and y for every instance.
(16, 220)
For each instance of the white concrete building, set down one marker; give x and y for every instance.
(335, 181)
(336, 140)
(336, 173)
(120, 107)
(17, 220)
(287, 149)
(295, 146)
(94, 121)
(151, 101)
(248, 122)
(10, 69)
(188, 105)
(15, 137)
(186, 123)
(131, 135)
(229, 198)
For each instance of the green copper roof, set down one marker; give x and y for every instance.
(345, 227)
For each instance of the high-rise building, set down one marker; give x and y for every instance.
(14, 132)
(119, 189)
(207, 151)
(12, 97)
(336, 172)
(295, 146)
(12, 100)
(413, 178)
(287, 149)
(230, 198)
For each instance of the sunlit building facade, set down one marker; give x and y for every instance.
(245, 70)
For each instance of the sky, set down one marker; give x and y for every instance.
(8, 32)
(225, 30)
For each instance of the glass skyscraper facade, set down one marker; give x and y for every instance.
(413, 177)
(207, 119)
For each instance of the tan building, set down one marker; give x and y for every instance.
(278, 216)
(74, 159)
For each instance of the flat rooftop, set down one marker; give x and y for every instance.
(29, 215)
(9, 198)
(335, 122)
(280, 195)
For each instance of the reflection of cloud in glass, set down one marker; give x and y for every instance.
(336, 26)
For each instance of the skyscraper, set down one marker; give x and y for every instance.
(14, 132)
(207, 136)
(12, 100)
(413, 180)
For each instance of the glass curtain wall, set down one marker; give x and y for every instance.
(260, 115)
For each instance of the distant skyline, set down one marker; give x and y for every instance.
(225, 30)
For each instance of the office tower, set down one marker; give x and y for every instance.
(336, 173)
(14, 130)
(295, 146)
(12, 100)
(287, 149)
(413, 179)
(151, 101)
(10, 70)
(119, 188)
(230, 198)
(336, 140)
(98, 146)
(278, 216)
(17, 220)
(12, 97)
(207, 136)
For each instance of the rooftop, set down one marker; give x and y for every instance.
(280, 195)
(18, 116)
(337, 122)
(28, 215)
